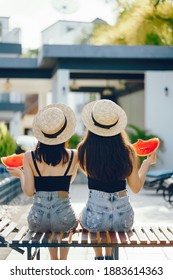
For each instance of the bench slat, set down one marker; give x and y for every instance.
(37, 237)
(66, 237)
(167, 233)
(132, 237)
(4, 222)
(27, 238)
(1, 216)
(76, 236)
(46, 237)
(159, 234)
(93, 237)
(8, 229)
(123, 238)
(20, 234)
(141, 236)
(170, 228)
(151, 236)
(85, 238)
(113, 237)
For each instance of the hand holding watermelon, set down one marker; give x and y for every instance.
(14, 164)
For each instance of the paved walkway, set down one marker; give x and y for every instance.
(150, 208)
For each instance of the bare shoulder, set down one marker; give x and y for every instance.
(27, 155)
(75, 152)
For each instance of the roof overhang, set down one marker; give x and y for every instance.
(88, 61)
(112, 58)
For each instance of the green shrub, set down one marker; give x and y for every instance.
(7, 143)
(74, 141)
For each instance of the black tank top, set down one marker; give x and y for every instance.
(52, 183)
(109, 187)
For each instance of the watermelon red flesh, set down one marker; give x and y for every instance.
(146, 147)
(13, 161)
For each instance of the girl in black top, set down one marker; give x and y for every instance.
(109, 160)
(48, 172)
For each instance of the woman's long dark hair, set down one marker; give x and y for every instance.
(105, 158)
(51, 154)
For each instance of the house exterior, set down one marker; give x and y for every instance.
(65, 32)
(139, 78)
(7, 35)
(11, 104)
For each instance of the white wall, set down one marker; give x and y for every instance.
(66, 32)
(159, 112)
(4, 21)
(60, 86)
(15, 125)
(133, 105)
(13, 36)
(77, 100)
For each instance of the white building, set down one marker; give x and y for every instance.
(7, 35)
(69, 32)
(60, 64)
(65, 32)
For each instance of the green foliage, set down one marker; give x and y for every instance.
(31, 53)
(153, 39)
(136, 133)
(7, 143)
(139, 23)
(74, 141)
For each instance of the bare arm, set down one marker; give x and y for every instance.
(136, 179)
(26, 176)
(75, 166)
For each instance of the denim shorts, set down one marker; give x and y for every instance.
(51, 213)
(107, 211)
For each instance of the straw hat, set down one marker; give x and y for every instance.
(104, 117)
(54, 124)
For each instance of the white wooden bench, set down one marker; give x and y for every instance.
(23, 239)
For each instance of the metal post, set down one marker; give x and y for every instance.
(115, 253)
(29, 257)
(38, 254)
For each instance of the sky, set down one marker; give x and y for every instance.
(33, 16)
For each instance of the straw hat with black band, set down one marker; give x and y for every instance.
(104, 117)
(54, 124)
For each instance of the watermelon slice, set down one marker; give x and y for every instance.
(13, 161)
(146, 147)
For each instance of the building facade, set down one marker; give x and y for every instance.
(139, 78)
